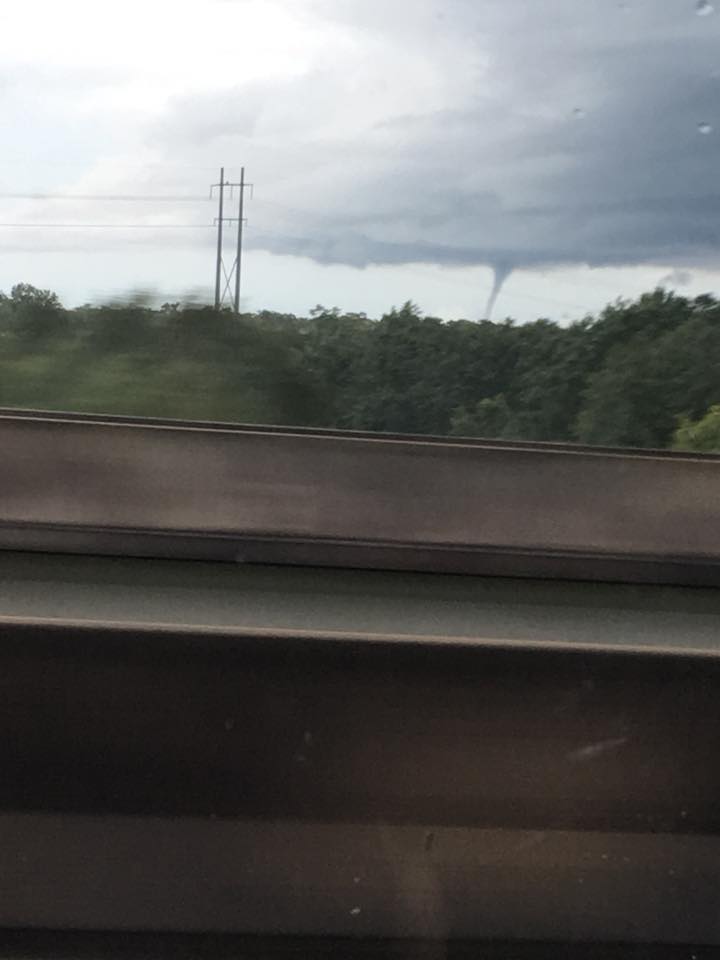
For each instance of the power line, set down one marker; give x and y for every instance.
(110, 226)
(33, 161)
(127, 197)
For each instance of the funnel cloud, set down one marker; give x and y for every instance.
(500, 275)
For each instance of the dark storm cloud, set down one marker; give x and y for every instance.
(539, 134)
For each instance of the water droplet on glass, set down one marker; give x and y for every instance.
(229, 724)
(703, 8)
(308, 738)
(579, 113)
(356, 880)
(355, 912)
(705, 128)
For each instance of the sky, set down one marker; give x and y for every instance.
(539, 158)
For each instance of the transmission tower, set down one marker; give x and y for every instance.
(228, 282)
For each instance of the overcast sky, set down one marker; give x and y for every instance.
(399, 149)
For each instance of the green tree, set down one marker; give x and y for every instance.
(491, 418)
(401, 386)
(663, 361)
(622, 378)
(30, 314)
(702, 435)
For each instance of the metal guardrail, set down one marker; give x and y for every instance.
(158, 488)
(358, 605)
(173, 781)
(202, 761)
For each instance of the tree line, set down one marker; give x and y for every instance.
(642, 373)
